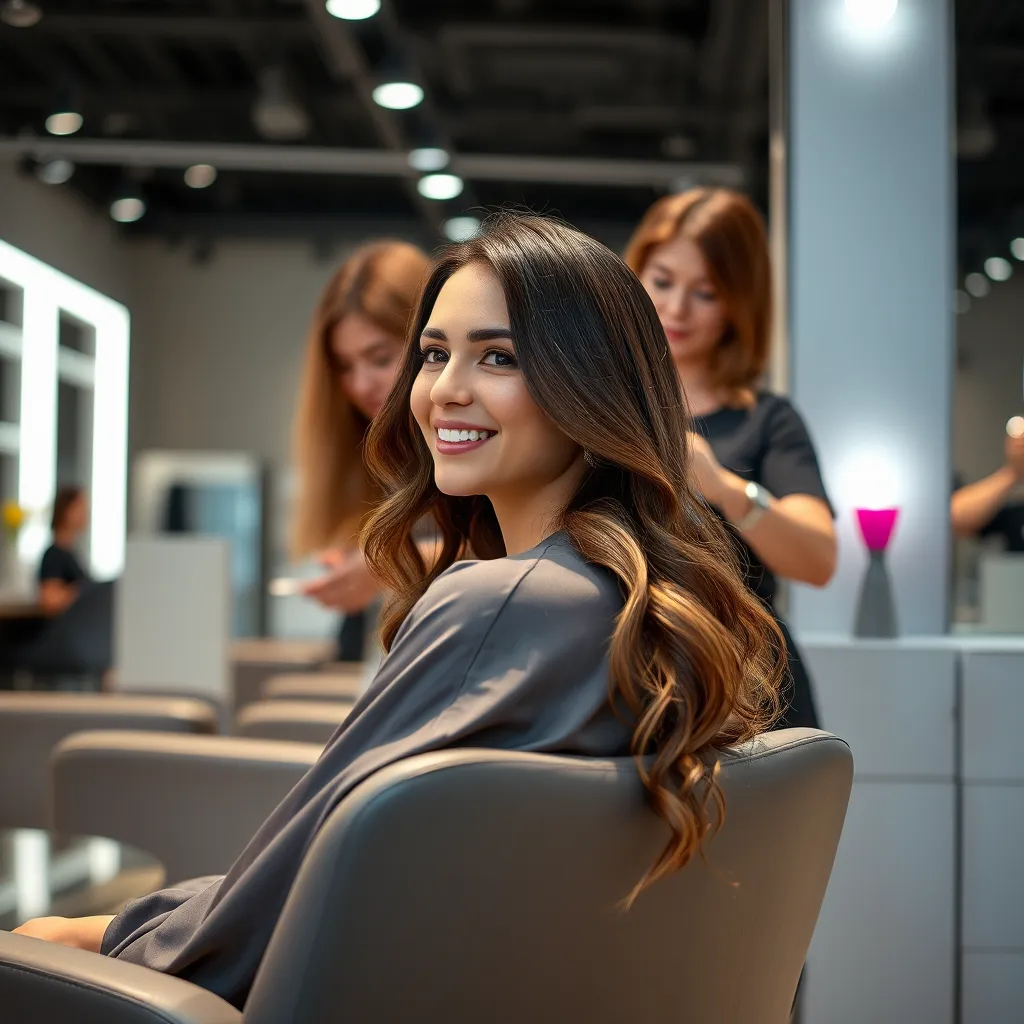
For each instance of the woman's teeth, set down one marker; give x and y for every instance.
(445, 434)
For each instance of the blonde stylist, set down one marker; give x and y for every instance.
(355, 346)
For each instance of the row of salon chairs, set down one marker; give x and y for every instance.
(458, 886)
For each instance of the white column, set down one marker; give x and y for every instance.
(870, 267)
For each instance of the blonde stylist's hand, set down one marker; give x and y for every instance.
(347, 586)
(80, 932)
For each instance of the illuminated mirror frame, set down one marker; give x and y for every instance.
(46, 293)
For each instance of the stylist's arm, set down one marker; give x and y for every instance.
(795, 537)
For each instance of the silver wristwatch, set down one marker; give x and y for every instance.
(760, 502)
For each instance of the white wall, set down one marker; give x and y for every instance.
(990, 342)
(52, 224)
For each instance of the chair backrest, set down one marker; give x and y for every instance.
(302, 721)
(472, 885)
(255, 660)
(313, 686)
(193, 802)
(32, 724)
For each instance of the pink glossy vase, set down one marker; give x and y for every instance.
(876, 610)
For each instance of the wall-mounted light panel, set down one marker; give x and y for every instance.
(46, 297)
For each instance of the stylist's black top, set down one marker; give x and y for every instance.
(1007, 523)
(769, 444)
(61, 564)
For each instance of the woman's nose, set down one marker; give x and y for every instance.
(451, 387)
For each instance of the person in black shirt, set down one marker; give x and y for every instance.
(60, 573)
(703, 257)
(986, 508)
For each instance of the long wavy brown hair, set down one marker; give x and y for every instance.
(731, 236)
(694, 657)
(381, 281)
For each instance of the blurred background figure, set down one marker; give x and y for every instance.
(61, 575)
(703, 257)
(994, 506)
(352, 356)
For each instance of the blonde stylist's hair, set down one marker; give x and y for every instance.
(380, 281)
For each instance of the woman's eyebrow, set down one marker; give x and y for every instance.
(490, 334)
(480, 334)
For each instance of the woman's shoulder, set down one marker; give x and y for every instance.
(552, 579)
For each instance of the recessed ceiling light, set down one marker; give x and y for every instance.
(20, 14)
(127, 209)
(439, 186)
(64, 122)
(1017, 248)
(55, 172)
(353, 10)
(461, 229)
(428, 158)
(398, 95)
(977, 284)
(200, 175)
(998, 269)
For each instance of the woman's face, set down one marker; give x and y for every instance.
(486, 434)
(694, 317)
(76, 517)
(366, 359)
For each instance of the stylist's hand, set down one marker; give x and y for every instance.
(1015, 455)
(80, 932)
(706, 472)
(348, 586)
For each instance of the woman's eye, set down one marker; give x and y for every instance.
(435, 355)
(705, 296)
(662, 284)
(499, 357)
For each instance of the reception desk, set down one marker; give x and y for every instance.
(924, 915)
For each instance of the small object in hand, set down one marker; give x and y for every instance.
(1015, 426)
(284, 587)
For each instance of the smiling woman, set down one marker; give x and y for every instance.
(603, 611)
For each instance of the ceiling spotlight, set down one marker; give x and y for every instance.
(977, 284)
(461, 229)
(1017, 248)
(428, 158)
(55, 172)
(277, 113)
(200, 175)
(439, 186)
(871, 14)
(961, 301)
(353, 10)
(1015, 426)
(64, 122)
(998, 269)
(398, 95)
(127, 209)
(20, 13)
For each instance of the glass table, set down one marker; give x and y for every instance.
(43, 874)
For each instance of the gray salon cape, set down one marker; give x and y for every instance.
(509, 654)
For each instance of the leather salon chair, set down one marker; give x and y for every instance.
(314, 686)
(255, 660)
(32, 724)
(469, 885)
(193, 802)
(302, 721)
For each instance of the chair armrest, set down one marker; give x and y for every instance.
(42, 981)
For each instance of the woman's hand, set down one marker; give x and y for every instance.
(708, 475)
(80, 932)
(348, 586)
